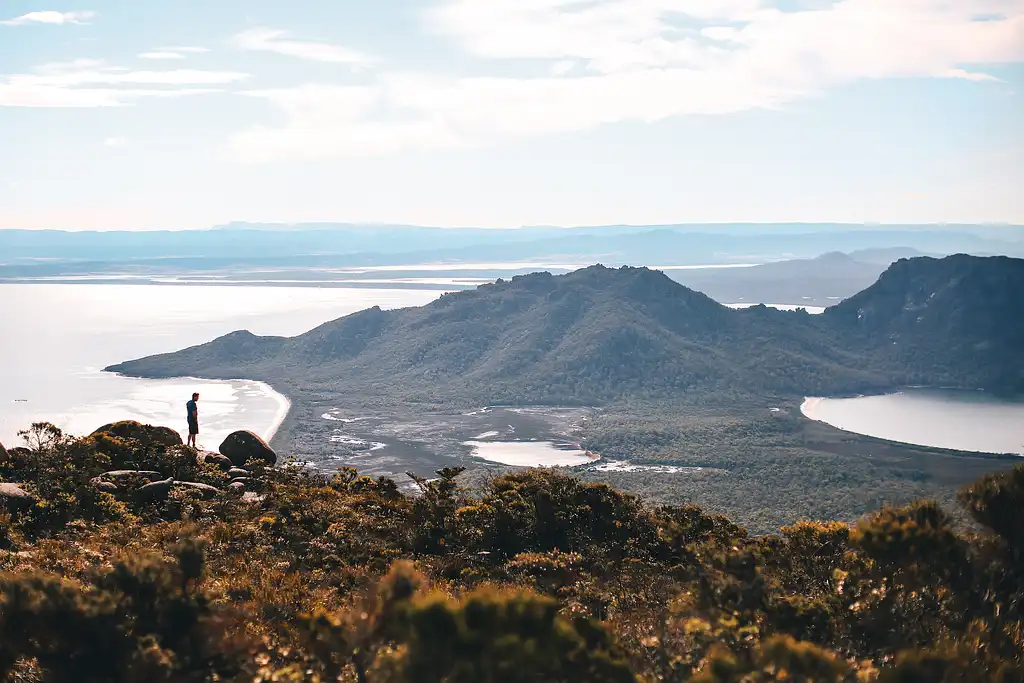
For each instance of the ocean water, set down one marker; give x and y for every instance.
(57, 338)
(961, 420)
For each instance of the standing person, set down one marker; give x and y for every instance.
(192, 410)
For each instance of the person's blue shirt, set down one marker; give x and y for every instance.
(193, 410)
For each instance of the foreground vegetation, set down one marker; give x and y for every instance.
(535, 577)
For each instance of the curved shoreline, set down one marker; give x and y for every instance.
(284, 406)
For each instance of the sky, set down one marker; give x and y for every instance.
(178, 114)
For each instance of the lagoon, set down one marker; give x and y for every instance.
(959, 420)
(529, 453)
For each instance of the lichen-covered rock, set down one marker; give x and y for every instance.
(157, 490)
(120, 475)
(147, 435)
(104, 485)
(216, 459)
(13, 498)
(243, 446)
(205, 490)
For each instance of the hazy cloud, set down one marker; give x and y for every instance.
(272, 40)
(633, 61)
(93, 83)
(161, 54)
(49, 17)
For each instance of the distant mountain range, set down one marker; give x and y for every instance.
(601, 334)
(47, 253)
(821, 281)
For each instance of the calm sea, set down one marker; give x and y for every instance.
(57, 338)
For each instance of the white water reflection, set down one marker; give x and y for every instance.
(529, 453)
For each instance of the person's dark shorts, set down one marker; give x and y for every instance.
(193, 427)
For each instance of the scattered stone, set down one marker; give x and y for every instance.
(243, 446)
(147, 435)
(236, 472)
(104, 485)
(216, 459)
(158, 490)
(252, 497)
(117, 475)
(14, 498)
(244, 481)
(205, 490)
(236, 487)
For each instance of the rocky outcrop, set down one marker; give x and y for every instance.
(4, 457)
(13, 498)
(215, 459)
(205, 490)
(157, 490)
(104, 485)
(147, 435)
(243, 446)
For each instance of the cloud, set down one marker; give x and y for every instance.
(271, 40)
(562, 67)
(49, 17)
(115, 142)
(971, 76)
(186, 49)
(634, 61)
(93, 83)
(161, 54)
(180, 52)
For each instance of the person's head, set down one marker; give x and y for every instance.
(195, 396)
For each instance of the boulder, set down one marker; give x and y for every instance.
(158, 490)
(243, 446)
(13, 498)
(147, 435)
(118, 475)
(236, 487)
(244, 481)
(205, 490)
(236, 472)
(216, 459)
(104, 485)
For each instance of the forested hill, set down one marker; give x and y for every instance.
(602, 334)
(960, 317)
